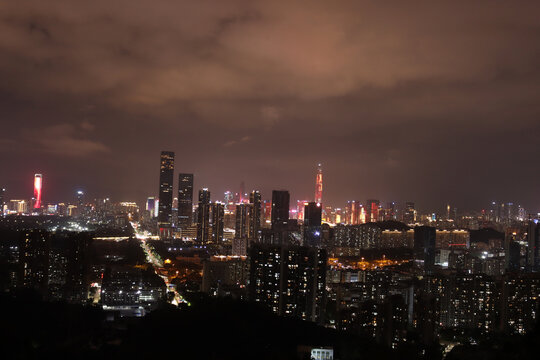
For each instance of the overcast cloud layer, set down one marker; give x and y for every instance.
(423, 101)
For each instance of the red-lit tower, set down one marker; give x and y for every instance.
(38, 182)
(318, 185)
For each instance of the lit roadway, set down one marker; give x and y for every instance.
(153, 258)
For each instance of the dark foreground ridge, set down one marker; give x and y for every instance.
(209, 329)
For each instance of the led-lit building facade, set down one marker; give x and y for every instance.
(319, 185)
(38, 187)
(372, 210)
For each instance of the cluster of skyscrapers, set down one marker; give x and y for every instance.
(371, 268)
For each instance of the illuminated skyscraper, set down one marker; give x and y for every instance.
(151, 205)
(203, 217)
(255, 215)
(218, 212)
(229, 201)
(166, 178)
(372, 210)
(300, 206)
(318, 185)
(185, 200)
(80, 198)
(240, 242)
(354, 213)
(267, 213)
(409, 215)
(280, 208)
(38, 183)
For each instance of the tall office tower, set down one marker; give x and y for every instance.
(318, 185)
(38, 184)
(218, 213)
(372, 210)
(353, 213)
(151, 205)
(409, 215)
(34, 248)
(255, 215)
(185, 200)
(312, 224)
(280, 208)
(533, 251)
(203, 217)
(289, 280)
(166, 178)
(424, 247)
(390, 213)
(300, 207)
(266, 213)
(80, 201)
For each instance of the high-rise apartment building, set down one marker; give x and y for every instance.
(242, 226)
(291, 281)
(34, 248)
(424, 246)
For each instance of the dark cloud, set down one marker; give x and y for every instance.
(417, 100)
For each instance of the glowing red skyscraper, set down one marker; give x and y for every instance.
(318, 185)
(38, 182)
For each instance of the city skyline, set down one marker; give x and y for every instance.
(289, 179)
(457, 122)
(441, 209)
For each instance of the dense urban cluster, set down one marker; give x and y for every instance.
(381, 272)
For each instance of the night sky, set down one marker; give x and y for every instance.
(425, 101)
